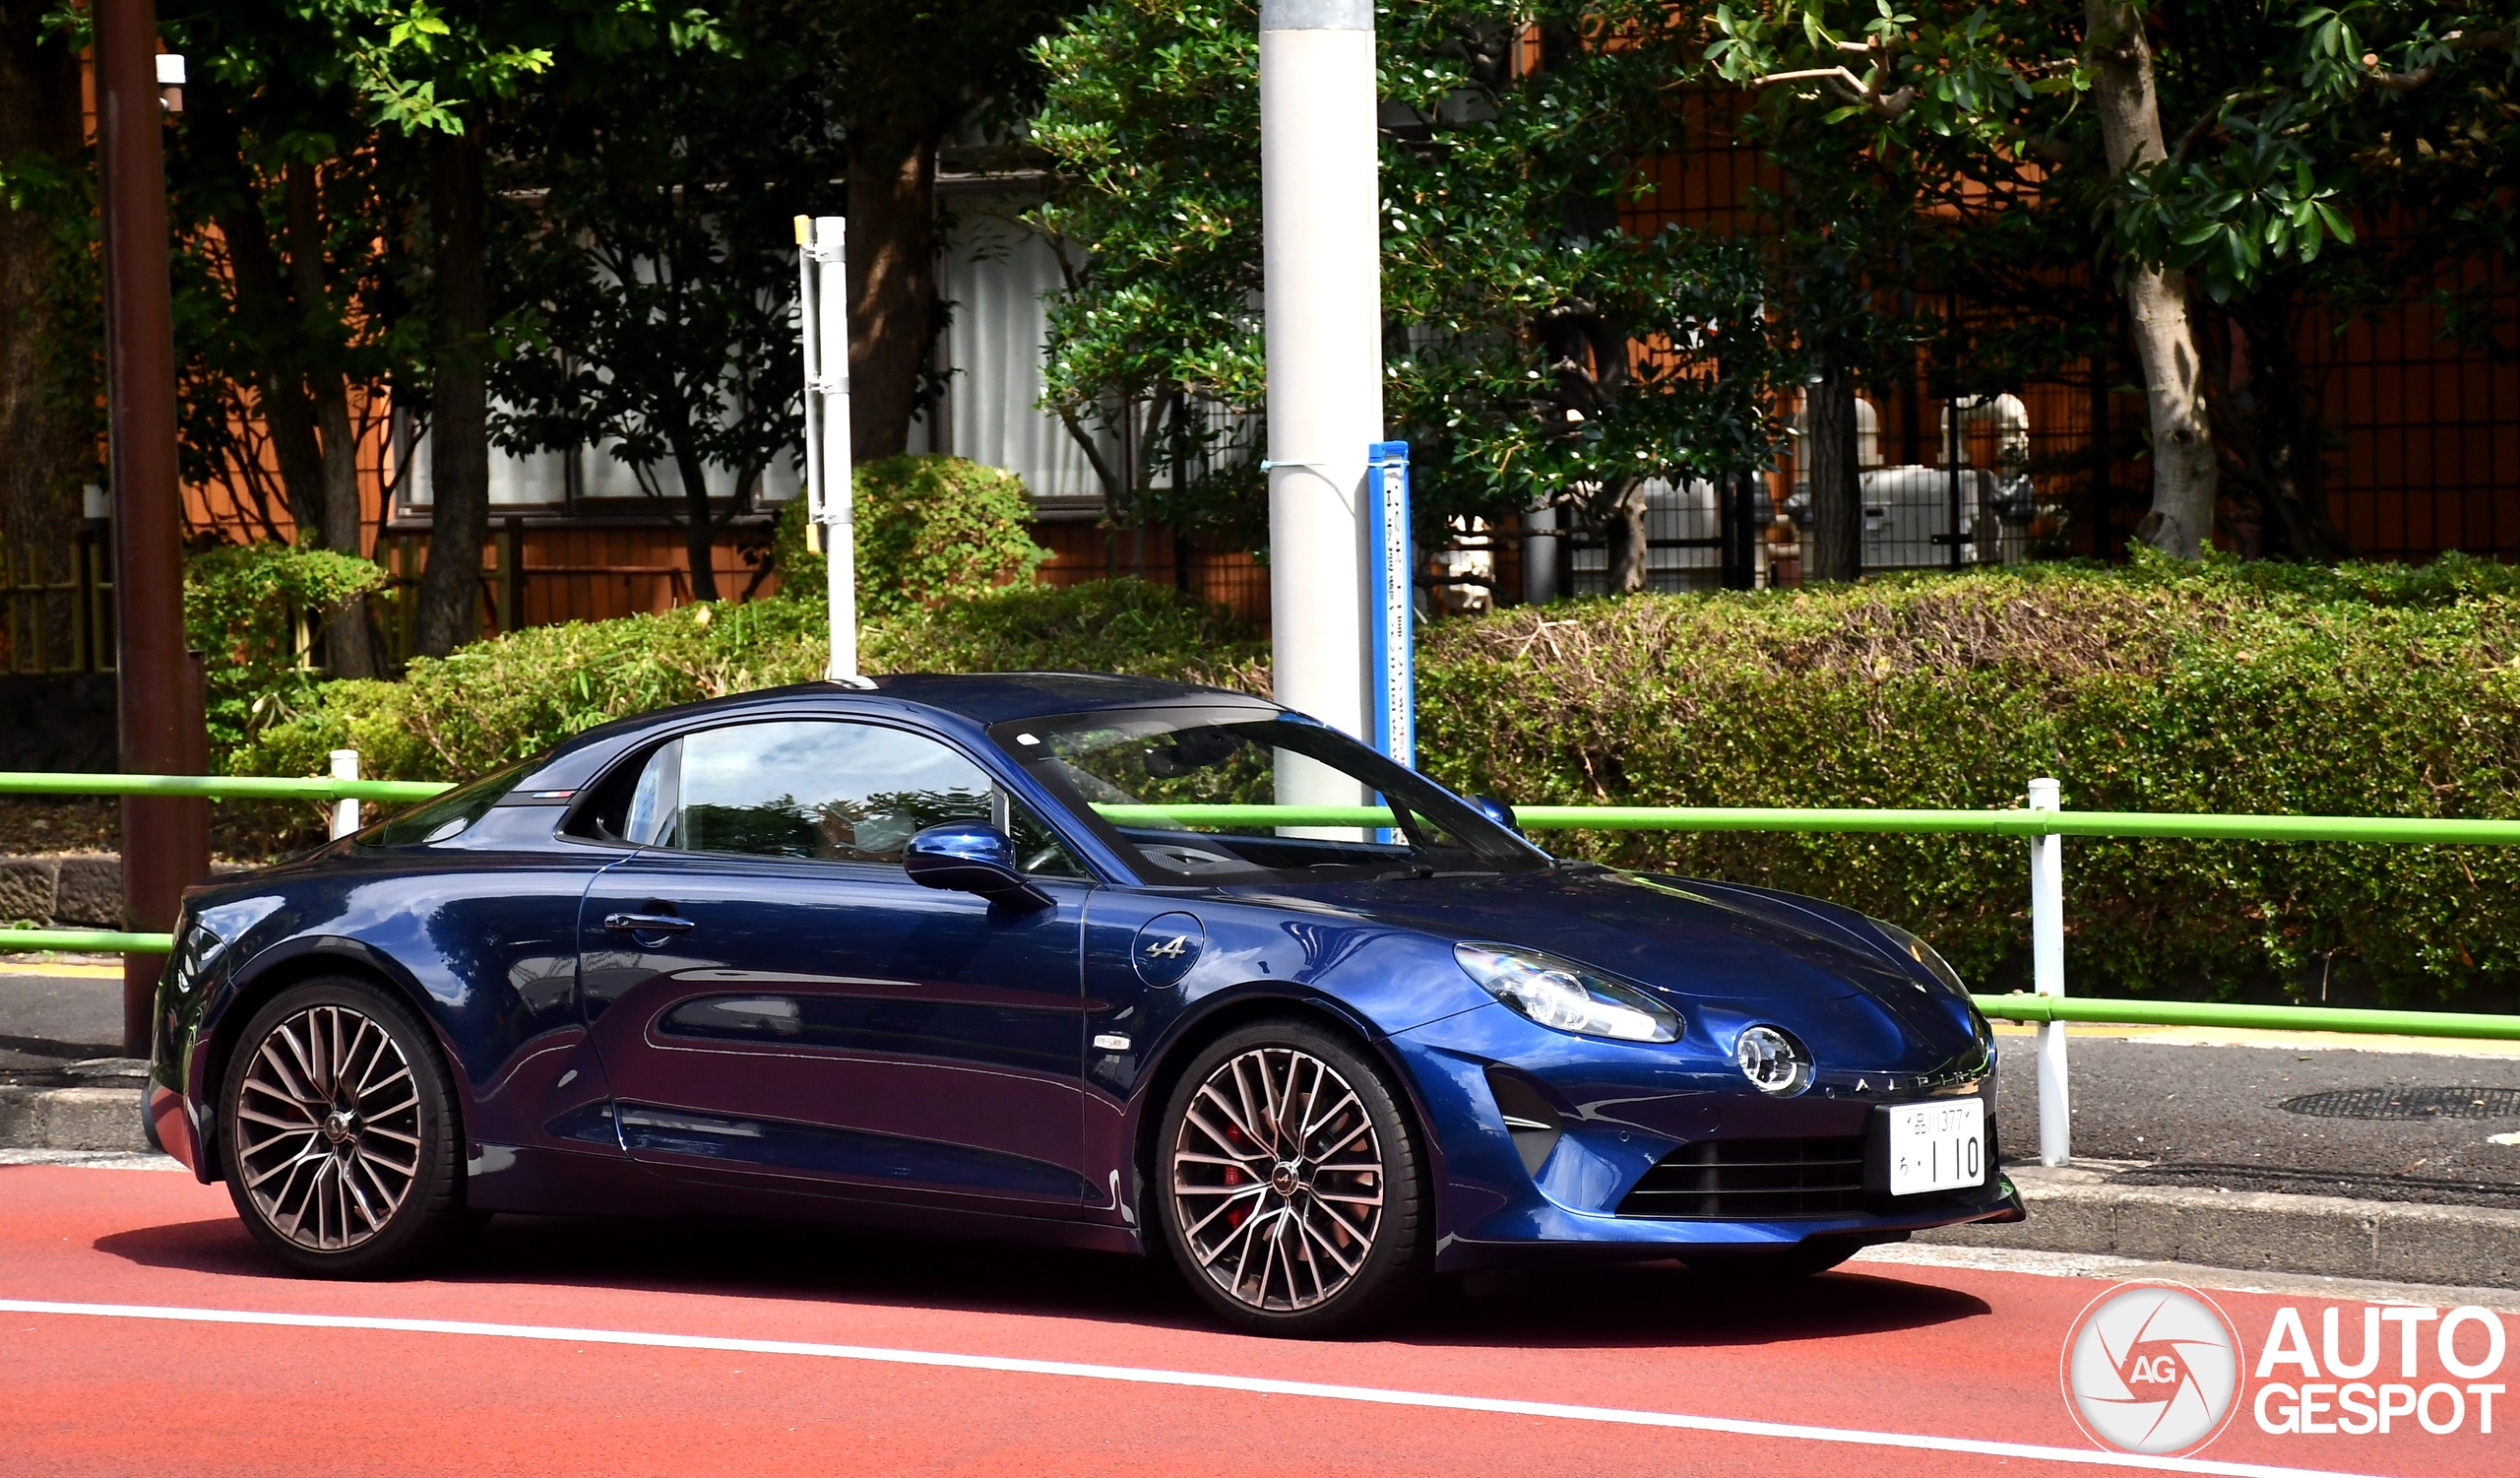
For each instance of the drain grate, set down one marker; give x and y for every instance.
(2407, 1103)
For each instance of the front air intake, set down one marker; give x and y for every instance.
(1751, 1179)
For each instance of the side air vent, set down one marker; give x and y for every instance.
(1751, 1179)
(1529, 1116)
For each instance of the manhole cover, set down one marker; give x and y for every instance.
(2407, 1103)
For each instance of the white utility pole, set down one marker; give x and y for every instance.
(1320, 217)
(2047, 978)
(822, 267)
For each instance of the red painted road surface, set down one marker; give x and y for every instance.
(1939, 1352)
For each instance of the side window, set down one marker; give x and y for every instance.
(819, 789)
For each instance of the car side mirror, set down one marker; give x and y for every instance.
(1497, 812)
(971, 857)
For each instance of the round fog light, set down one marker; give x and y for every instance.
(1775, 1063)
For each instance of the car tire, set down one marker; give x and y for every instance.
(1286, 1217)
(338, 1134)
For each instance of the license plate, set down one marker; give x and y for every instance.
(1938, 1147)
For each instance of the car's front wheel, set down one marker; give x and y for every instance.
(1291, 1196)
(337, 1132)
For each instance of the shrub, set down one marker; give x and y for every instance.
(251, 612)
(517, 694)
(2220, 688)
(929, 530)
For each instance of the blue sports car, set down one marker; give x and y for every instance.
(1014, 956)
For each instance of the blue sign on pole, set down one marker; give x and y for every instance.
(1392, 675)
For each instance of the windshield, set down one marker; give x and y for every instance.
(1172, 787)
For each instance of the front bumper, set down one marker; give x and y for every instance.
(1619, 1108)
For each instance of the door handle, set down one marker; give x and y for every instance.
(646, 924)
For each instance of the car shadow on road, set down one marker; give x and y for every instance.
(1627, 1306)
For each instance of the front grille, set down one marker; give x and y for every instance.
(1752, 1179)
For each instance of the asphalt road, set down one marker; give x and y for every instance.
(141, 1330)
(2196, 1115)
(48, 1021)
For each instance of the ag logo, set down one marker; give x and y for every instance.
(1165, 948)
(2152, 1368)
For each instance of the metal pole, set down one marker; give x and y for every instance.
(809, 332)
(345, 811)
(1321, 249)
(835, 510)
(2047, 978)
(1394, 589)
(165, 842)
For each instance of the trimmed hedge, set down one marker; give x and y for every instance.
(2216, 687)
(2225, 687)
(930, 530)
(517, 694)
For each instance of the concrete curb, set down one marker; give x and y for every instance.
(2076, 1210)
(71, 1119)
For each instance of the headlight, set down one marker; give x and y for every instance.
(1565, 994)
(1775, 1063)
(1924, 954)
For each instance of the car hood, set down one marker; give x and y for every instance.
(1694, 938)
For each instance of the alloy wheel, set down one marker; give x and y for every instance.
(329, 1129)
(1278, 1180)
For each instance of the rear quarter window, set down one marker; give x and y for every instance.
(450, 814)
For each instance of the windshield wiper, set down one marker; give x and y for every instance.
(1412, 872)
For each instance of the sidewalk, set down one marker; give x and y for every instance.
(64, 1083)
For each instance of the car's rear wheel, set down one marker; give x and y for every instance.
(336, 1134)
(1291, 1196)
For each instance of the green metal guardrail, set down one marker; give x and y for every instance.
(326, 789)
(2040, 1009)
(216, 787)
(2408, 831)
(86, 941)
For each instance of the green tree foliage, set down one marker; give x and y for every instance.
(652, 284)
(2303, 158)
(1512, 296)
(930, 531)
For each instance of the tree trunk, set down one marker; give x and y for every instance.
(46, 445)
(1623, 526)
(347, 651)
(699, 548)
(1833, 537)
(892, 281)
(266, 318)
(2184, 475)
(459, 402)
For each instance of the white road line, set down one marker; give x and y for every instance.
(1199, 1380)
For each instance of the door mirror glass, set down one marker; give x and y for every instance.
(1497, 812)
(971, 857)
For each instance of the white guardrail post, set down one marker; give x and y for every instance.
(345, 811)
(2047, 978)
